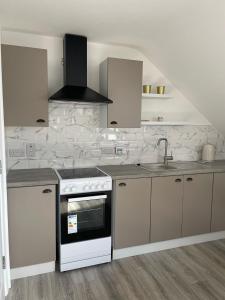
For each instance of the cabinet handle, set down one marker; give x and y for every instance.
(40, 121)
(189, 179)
(178, 180)
(113, 122)
(122, 184)
(46, 191)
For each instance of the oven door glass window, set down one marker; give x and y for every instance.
(85, 217)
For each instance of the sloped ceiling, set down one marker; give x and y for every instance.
(185, 39)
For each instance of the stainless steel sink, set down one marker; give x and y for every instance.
(157, 167)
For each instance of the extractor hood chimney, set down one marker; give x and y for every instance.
(75, 74)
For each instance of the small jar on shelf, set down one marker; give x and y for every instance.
(147, 88)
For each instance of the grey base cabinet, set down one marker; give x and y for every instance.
(218, 204)
(32, 232)
(131, 212)
(197, 204)
(166, 208)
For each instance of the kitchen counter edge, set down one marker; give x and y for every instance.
(31, 177)
(143, 173)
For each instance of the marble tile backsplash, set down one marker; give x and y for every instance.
(74, 139)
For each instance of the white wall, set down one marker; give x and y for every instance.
(177, 109)
(187, 43)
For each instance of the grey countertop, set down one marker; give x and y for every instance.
(124, 171)
(31, 177)
(45, 176)
(148, 170)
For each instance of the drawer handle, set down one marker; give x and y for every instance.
(189, 179)
(122, 184)
(46, 191)
(178, 180)
(40, 121)
(113, 122)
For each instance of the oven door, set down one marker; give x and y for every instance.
(85, 216)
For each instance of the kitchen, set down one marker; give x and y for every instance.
(126, 174)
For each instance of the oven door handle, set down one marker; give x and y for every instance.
(87, 198)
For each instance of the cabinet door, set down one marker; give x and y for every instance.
(25, 86)
(125, 89)
(32, 221)
(197, 204)
(132, 212)
(218, 204)
(166, 208)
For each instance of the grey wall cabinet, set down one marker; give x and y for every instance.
(121, 81)
(32, 237)
(197, 202)
(131, 212)
(25, 86)
(166, 208)
(218, 205)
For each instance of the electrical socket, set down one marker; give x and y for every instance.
(30, 150)
(120, 150)
(108, 150)
(16, 152)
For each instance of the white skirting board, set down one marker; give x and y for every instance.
(33, 270)
(154, 247)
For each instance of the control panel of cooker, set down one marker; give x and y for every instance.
(85, 186)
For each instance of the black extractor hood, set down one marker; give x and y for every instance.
(75, 73)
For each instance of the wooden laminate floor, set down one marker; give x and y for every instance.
(192, 272)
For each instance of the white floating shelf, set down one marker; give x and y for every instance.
(158, 96)
(168, 123)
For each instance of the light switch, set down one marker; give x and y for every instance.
(30, 150)
(120, 151)
(107, 150)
